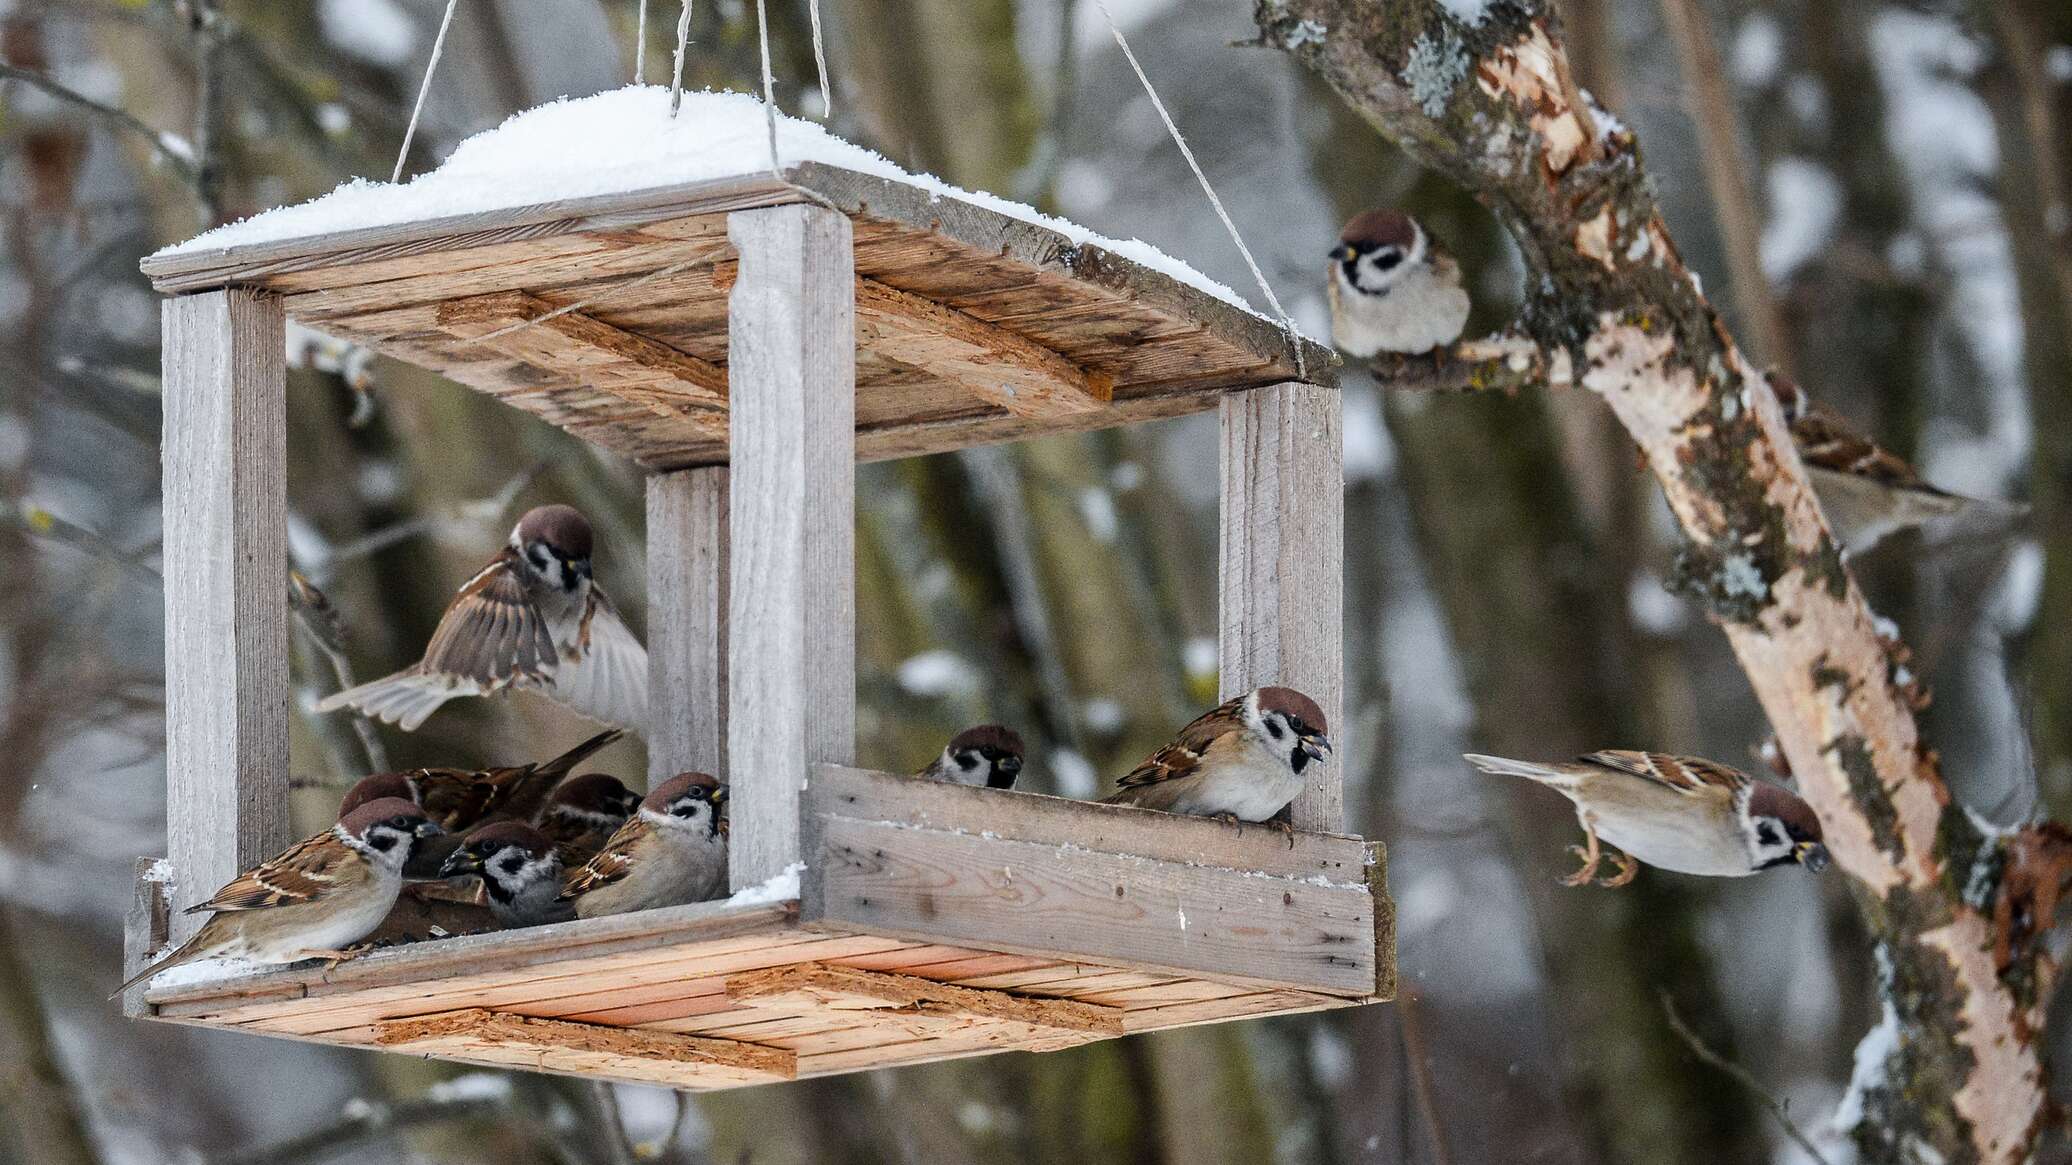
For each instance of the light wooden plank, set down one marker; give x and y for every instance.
(1281, 576)
(144, 929)
(791, 512)
(820, 987)
(1019, 897)
(1120, 829)
(994, 364)
(226, 612)
(583, 1046)
(687, 553)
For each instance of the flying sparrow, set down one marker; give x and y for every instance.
(1866, 490)
(673, 851)
(315, 897)
(988, 755)
(520, 871)
(1393, 288)
(1243, 761)
(1678, 813)
(531, 619)
(582, 814)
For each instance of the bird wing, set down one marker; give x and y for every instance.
(612, 863)
(1828, 442)
(1183, 757)
(492, 632)
(1684, 774)
(311, 869)
(603, 671)
(458, 799)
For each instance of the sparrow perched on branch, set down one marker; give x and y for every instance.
(673, 851)
(1678, 813)
(1866, 490)
(520, 871)
(1393, 288)
(582, 814)
(1243, 761)
(988, 755)
(531, 619)
(317, 896)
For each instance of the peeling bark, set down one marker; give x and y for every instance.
(1491, 106)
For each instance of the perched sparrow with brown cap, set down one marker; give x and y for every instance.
(1678, 813)
(1393, 288)
(673, 851)
(520, 871)
(988, 755)
(582, 814)
(1866, 490)
(531, 619)
(1244, 760)
(315, 897)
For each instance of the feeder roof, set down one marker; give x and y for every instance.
(978, 319)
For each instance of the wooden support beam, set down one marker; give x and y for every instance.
(1282, 563)
(144, 929)
(226, 610)
(627, 365)
(791, 515)
(1030, 1021)
(994, 364)
(687, 622)
(558, 1045)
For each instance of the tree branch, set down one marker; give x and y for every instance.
(175, 153)
(1744, 1078)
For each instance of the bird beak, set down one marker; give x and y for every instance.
(1812, 855)
(1317, 745)
(460, 862)
(1342, 252)
(719, 795)
(428, 829)
(1009, 764)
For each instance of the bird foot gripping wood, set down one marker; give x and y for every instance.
(332, 958)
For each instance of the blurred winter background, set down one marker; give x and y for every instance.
(1903, 189)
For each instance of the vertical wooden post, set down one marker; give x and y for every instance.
(1281, 562)
(226, 605)
(687, 622)
(791, 383)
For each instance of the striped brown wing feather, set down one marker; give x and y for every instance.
(312, 868)
(1183, 757)
(1685, 774)
(1827, 441)
(613, 863)
(492, 633)
(458, 798)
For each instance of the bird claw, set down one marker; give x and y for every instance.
(332, 958)
(1583, 876)
(1232, 819)
(1629, 869)
(1286, 827)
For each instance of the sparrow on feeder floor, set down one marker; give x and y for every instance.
(1678, 813)
(532, 619)
(1393, 288)
(582, 814)
(319, 895)
(673, 851)
(987, 755)
(1866, 490)
(520, 870)
(460, 799)
(1244, 761)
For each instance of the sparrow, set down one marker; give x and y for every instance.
(532, 619)
(461, 799)
(1244, 761)
(319, 895)
(673, 851)
(1677, 813)
(520, 871)
(1866, 490)
(1393, 288)
(988, 755)
(582, 814)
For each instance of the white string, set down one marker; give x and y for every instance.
(683, 42)
(640, 47)
(1287, 322)
(438, 46)
(762, 35)
(827, 100)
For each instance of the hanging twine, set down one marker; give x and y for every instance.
(827, 100)
(683, 43)
(640, 47)
(424, 87)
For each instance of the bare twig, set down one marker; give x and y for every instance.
(174, 152)
(1744, 1078)
(617, 1149)
(1418, 1054)
(326, 630)
(469, 513)
(365, 1123)
(210, 115)
(1501, 362)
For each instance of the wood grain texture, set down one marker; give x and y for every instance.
(687, 556)
(584, 1047)
(791, 511)
(940, 886)
(811, 987)
(226, 612)
(145, 926)
(996, 365)
(1384, 921)
(1281, 563)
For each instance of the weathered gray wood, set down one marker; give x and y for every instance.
(1119, 829)
(1282, 563)
(144, 927)
(791, 514)
(687, 622)
(226, 612)
(1043, 899)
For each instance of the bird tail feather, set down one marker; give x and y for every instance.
(187, 952)
(404, 699)
(1531, 771)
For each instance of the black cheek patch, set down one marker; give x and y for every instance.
(1298, 759)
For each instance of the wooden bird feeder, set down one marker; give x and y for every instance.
(747, 341)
